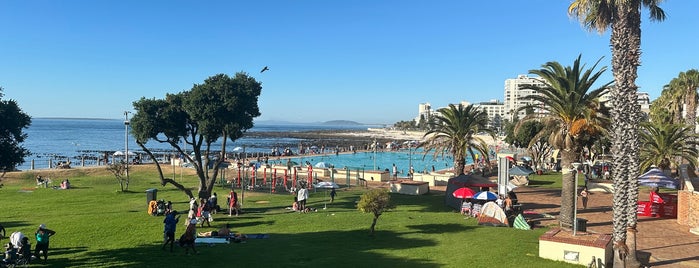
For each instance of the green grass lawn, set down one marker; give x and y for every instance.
(99, 226)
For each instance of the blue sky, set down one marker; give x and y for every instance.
(366, 61)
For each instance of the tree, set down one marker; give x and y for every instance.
(570, 113)
(221, 108)
(455, 131)
(375, 201)
(119, 171)
(685, 85)
(12, 123)
(662, 143)
(624, 18)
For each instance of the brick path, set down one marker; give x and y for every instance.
(661, 241)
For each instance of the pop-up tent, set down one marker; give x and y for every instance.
(464, 181)
(492, 215)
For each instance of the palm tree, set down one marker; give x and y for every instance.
(663, 143)
(455, 130)
(685, 85)
(624, 18)
(569, 111)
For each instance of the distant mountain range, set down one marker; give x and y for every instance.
(327, 123)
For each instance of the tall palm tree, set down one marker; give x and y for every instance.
(685, 85)
(663, 143)
(455, 130)
(569, 109)
(624, 18)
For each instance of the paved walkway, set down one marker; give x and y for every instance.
(663, 242)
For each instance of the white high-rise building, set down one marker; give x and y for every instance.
(513, 95)
(495, 110)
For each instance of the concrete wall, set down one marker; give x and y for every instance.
(410, 187)
(555, 243)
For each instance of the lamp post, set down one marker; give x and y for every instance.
(126, 142)
(374, 145)
(576, 165)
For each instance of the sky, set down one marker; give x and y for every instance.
(367, 61)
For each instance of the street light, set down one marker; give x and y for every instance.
(126, 142)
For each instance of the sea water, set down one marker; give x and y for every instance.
(78, 140)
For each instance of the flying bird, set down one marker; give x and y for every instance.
(264, 69)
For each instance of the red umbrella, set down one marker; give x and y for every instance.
(463, 192)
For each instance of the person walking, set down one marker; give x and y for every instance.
(584, 196)
(332, 195)
(232, 203)
(170, 222)
(395, 172)
(42, 241)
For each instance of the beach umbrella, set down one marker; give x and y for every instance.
(326, 185)
(485, 195)
(237, 149)
(657, 178)
(463, 192)
(118, 153)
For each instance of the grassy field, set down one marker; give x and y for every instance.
(99, 226)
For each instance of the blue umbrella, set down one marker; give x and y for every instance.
(657, 178)
(485, 195)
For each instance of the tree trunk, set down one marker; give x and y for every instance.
(373, 225)
(625, 42)
(164, 181)
(568, 188)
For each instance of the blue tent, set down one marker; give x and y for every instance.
(520, 171)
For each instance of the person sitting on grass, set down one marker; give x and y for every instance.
(189, 236)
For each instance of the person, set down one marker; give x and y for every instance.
(466, 207)
(295, 205)
(187, 239)
(25, 250)
(584, 196)
(225, 231)
(170, 223)
(10, 254)
(192, 203)
(302, 196)
(508, 203)
(232, 203)
(65, 184)
(42, 241)
(411, 172)
(192, 215)
(395, 172)
(500, 201)
(204, 213)
(214, 203)
(332, 195)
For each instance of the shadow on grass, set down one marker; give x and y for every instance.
(309, 249)
(539, 183)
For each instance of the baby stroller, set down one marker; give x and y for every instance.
(160, 208)
(12, 257)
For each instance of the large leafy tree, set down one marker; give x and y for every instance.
(570, 112)
(662, 143)
(13, 121)
(222, 108)
(624, 19)
(455, 130)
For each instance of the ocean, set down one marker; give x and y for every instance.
(53, 139)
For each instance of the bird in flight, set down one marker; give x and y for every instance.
(264, 69)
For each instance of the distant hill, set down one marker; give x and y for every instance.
(341, 123)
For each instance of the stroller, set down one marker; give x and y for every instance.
(160, 208)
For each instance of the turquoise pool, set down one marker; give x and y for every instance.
(383, 160)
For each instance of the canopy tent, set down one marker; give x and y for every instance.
(657, 178)
(520, 171)
(464, 180)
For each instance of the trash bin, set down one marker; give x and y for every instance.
(582, 225)
(151, 194)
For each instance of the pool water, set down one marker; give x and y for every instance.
(383, 160)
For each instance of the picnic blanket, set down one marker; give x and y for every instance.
(211, 240)
(257, 236)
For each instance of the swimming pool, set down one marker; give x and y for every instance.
(384, 160)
